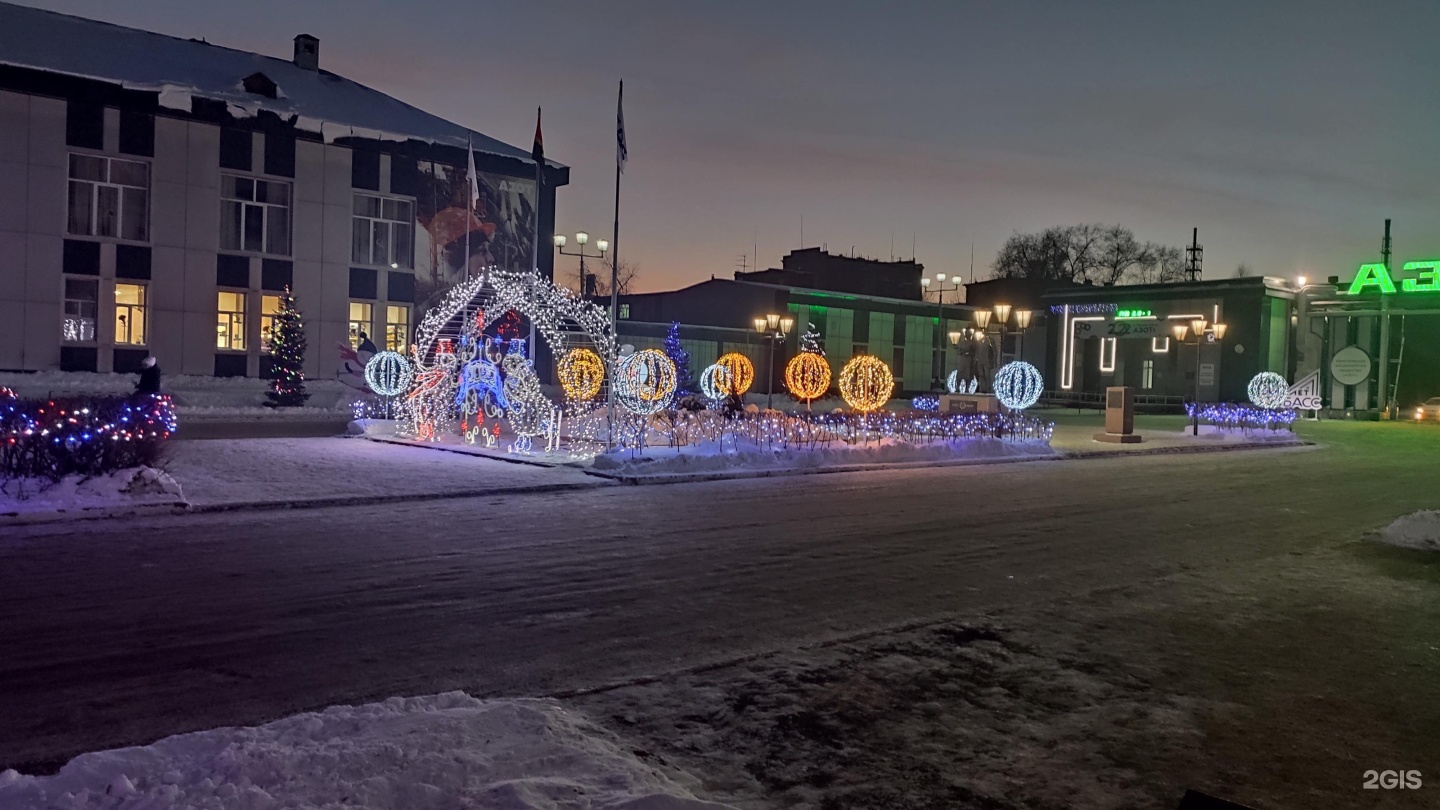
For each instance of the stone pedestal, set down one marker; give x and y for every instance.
(969, 403)
(1119, 417)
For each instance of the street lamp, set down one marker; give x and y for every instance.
(1203, 332)
(774, 328)
(582, 239)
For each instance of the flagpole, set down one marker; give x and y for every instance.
(469, 198)
(615, 259)
(535, 236)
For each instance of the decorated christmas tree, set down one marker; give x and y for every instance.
(287, 353)
(681, 358)
(810, 341)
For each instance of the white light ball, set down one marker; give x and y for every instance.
(389, 374)
(1018, 385)
(1268, 389)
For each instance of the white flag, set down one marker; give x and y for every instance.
(473, 178)
(621, 153)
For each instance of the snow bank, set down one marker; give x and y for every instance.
(194, 395)
(442, 751)
(1418, 530)
(709, 456)
(133, 487)
(1214, 433)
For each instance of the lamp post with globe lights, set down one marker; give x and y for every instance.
(582, 238)
(774, 328)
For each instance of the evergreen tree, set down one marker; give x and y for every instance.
(287, 353)
(681, 359)
(810, 341)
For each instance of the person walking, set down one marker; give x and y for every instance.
(149, 377)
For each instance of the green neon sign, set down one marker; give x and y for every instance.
(1376, 278)
(1132, 313)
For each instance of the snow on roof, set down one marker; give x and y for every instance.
(180, 69)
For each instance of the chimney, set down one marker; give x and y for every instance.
(307, 52)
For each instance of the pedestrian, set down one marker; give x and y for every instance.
(367, 345)
(149, 377)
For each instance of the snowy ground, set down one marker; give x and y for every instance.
(1419, 530)
(22, 499)
(429, 753)
(194, 395)
(240, 471)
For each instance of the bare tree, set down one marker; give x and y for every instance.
(1068, 253)
(1119, 254)
(1164, 265)
(625, 277)
(1243, 270)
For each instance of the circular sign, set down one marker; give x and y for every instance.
(1350, 366)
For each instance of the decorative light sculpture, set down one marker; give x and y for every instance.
(389, 374)
(645, 381)
(740, 373)
(582, 372)
(1018, 385)
(1268, 390)
(807, 376)
(955, 385)
(866, 383)
(714, 382)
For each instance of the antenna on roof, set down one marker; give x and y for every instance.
(742, 261)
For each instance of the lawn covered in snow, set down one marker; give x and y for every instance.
(138, 486)
(194, 395)
(427, 753)
(741, 455)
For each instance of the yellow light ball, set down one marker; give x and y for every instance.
(807, 376)
(740, 371)
(866, 383)
(582, 372)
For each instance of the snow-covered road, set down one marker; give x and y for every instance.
(123, 633)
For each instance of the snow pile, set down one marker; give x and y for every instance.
(137, 486)
(1418, 530)
(194, 395)
(711, 457)
(441, 752)
(1224, 435)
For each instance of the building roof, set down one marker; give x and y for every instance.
(180, 70)
(1270, 285)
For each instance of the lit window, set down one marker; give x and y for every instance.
(130, 314)
(382, 232)
(361, 316)
(624, 310)
(1147, 374)
(82, 304)
(269, 308)
(254, 215)
(230, 323)
(397, 328)
(109, 197)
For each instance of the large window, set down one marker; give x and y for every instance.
(130, 314)
(82, 305)
(269, 308)
(230, 321)
(109, 197)
(254, 215)
(362, 315)
(397, 328)
(382, 232)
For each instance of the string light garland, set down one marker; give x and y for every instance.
(1244, 417)
(866, 383)
(807, 376)
(1268, 390)
(287, 356)
(925, 402)
(389, 374)
(714, 382)
(1018, 385)
(739, 374)
(955, 385)
(91, 435)
(581, 373)
(645, 382)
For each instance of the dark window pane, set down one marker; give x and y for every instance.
(87, 167)
(107, 211)
(80, 200)
(381, 243)
(277, 231)
(130, 173)
(230, 214)
(132, 226)
(254, 228)
(244, 188)
(360, 240)
(402, 254)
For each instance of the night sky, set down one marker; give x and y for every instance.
(1286, 131)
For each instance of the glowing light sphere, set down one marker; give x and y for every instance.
(740, 373)
(714, 381)
(389, 374)
(1018, 385)
(1268, 389)
(866, 383)
(582, 372)
(645, 381)
(807, 376)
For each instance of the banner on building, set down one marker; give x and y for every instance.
(497, 232)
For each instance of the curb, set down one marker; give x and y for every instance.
(371, 500)
(1081, 455)
(473, 452)
(785, 472)
(93, 513)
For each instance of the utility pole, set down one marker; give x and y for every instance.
(1383, 399)
(1195, 254)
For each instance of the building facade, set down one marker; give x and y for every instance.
(158, 195)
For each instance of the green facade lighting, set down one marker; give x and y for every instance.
(1371, 275)
(1426, 280)
(1121, 314)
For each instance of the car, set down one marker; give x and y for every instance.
(1429, 411)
